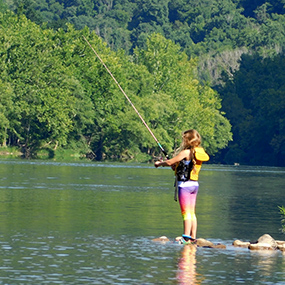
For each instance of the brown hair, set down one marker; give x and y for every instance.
(191, 139)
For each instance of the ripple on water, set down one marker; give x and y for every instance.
(126, 260)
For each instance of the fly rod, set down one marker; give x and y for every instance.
(160, 146)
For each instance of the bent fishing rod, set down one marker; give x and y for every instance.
(122, 90)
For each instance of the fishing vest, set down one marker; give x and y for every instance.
(186, 171)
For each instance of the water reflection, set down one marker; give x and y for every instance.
(265, 262)
(186, 273)
(53, 221)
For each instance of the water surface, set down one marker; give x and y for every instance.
(93, 223)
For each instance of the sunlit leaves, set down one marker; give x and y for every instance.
(193, 105)
(56, 92)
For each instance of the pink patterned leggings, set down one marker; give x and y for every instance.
(187, 200)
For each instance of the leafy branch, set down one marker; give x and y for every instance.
(282, 211)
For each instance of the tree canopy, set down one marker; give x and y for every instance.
(254, 101)
(56, 93)
(163, 52)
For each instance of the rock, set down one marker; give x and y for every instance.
(280, 242)
(265, 242)
(204, 243)
(219, 245)
(162, 239)
(281, 247)
(178, 238)
(239, 243)
(201, 242)
(260, 246)
(267, 239)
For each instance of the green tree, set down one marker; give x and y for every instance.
(3, 7)
(28, 8)
(45, 92)
(282, 212)
(6, 108)
(254, 102)
(63, 96)
(194, 105)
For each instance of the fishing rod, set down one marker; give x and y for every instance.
(122, 90)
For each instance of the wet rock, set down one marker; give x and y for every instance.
(265, 242)
(260, 246)
(201, 242)
(281, 245)
(219, 245)
(162, 239)
(204, 243)
(267, 239)
(239, 243)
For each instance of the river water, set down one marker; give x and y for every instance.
(93, 223)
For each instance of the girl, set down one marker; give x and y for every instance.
(187, 165)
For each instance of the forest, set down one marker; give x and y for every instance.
(216, 66)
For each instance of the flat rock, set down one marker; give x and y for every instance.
(239, 243)
(280, 242)
(162, 239)
(219, 245)
(265, 242)
(201, 242)
(204, 243)
(261, 246)
(281, 247)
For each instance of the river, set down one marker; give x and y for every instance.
(93, 223)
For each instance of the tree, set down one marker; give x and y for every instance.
(6, 108)
(194, 105)
(44, 101)
(57, 93)
(254, 102)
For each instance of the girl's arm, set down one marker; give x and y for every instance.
(174, 160)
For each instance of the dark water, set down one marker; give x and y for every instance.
(82, 223)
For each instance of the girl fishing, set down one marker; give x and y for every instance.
(187, 165)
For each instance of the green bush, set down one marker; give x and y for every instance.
(282, 211)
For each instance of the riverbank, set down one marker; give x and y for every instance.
(10, 152)
(62, 154)
(44, 154)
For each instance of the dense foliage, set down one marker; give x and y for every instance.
(55, 93)
(282, 212)
(227, 41)
(254, 101)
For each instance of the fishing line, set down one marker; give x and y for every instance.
(122, 90)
